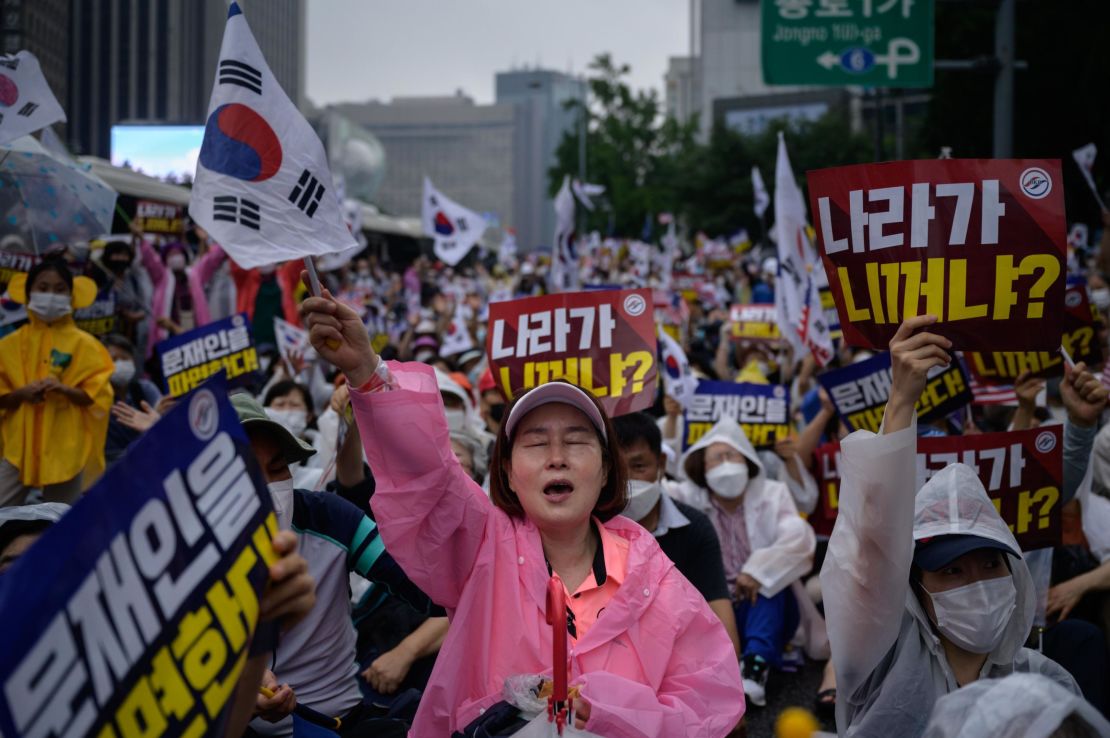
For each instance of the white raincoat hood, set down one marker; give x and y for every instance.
(954, 501)
(1018, 706)
(729, 431)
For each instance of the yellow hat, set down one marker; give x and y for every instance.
(84, 291)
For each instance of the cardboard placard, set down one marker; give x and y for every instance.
(602, 341)
(1080, 338)
(762, 410)
(757, 323)
(1021, 470)
(980, 243)
(160, 217)
(860, 392)
(134, 612)
(189, 359)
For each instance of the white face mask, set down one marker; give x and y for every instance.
(175, 261)
(729, 480)
(281, 494)
(294, 421)
(424, 356)
(975, 616)
(1101, 297)
(456, 419)
(124, 373)
(642, 498)
(49, 306)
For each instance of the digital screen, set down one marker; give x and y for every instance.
(158, 151)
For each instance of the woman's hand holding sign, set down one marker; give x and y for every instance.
(338, 335)
(912, 355)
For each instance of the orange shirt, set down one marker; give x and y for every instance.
(610, 565)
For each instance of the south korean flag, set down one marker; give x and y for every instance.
(26, 102)
(453, 228)
(262, 189)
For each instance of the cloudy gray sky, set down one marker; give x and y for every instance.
(362, 49)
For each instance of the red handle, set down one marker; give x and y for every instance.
(557, 619)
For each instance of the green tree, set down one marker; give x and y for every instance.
(630, 149)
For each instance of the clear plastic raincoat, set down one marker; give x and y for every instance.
(1019, 706)
(782, 542)
(890, 664)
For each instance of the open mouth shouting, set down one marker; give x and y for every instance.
(558, 490)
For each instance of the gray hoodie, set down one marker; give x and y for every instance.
(890, 665)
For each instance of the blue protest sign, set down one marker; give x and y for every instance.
(133, 614)
(762, 410)
(860, 392)
(188, 359)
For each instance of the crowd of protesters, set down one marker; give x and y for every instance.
(429, 510)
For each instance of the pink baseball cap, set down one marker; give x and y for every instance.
(561, 392)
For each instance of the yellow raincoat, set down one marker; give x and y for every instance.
(53, 441)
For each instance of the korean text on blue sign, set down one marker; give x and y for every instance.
(190, 358)
(762, 410)
(133, 614)
(860, 392)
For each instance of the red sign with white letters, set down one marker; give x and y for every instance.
(980, 243)
(603, 341)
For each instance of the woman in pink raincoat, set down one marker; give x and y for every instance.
(649, 656)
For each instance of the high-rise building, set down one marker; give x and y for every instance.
(153, 61)
(544, 113)
(680, 92)
(465, 149)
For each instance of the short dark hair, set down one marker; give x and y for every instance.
(54, 264)
(638, 427)
(283, 388)
(115, 340)
(614, 493)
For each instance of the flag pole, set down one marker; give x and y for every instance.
(313, 277)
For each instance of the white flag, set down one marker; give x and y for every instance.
(1085, 157)
(292, 340)
(26, 97)
(454, 228)
(564, 260)
(797, 302)
(506, 253)
(759, 190)
(585, 190)
(260, 185)
(457, 338)
(678, 381)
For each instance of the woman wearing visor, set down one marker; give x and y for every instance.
(647, 654)
(923, 594)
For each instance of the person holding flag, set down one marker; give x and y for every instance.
(657, 662)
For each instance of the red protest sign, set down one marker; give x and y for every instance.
(827, 472)
(1079, 338)
(159, 217)
(754, 323)
(980, 243)
(603, 341)
(1022, 472)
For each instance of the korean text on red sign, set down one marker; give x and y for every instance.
(1022, 472)
(602, 341)
(754, 323)
(979, 243)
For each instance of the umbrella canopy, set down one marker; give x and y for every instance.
(49, 200)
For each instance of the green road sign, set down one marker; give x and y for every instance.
(875, 43)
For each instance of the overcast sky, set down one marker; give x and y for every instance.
(363, 49)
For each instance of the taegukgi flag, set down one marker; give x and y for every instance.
(454, 228)
(26, 102)
(263, 188)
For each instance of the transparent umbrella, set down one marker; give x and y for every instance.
(47, 200)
